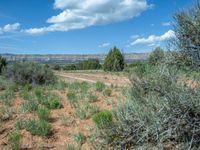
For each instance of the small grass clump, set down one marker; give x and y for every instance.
(35, 127)
(30, 106)
(14, 139)
(73, 99)
(79, 138)
(38, 127)
(6, 113)
(103, 119)
(100, 86)
(48, 99)
(7, 97)
(107, 92)
(92, 98)
(86, 111)
(43, 113)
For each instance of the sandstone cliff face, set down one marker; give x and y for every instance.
(70, 58)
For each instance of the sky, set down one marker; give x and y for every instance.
(86, 26)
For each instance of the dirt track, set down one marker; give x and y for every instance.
(108, 79)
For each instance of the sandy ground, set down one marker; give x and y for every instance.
(61, 134)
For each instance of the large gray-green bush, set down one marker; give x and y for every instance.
(161, 110)
(30, 73)
(187, 24)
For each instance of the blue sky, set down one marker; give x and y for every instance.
(86, 26)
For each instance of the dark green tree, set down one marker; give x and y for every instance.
(187, 25)
(156, 57)
(3, 63)
(114, 61)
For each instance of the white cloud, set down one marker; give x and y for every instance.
(9, 28)
(104, 45)
(78, 14)
(166, 23)
(152, 39)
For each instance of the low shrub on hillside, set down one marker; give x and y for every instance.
(159, 111)
(103, 119)
(30, 73)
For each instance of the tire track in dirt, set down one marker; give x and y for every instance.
(93, 78)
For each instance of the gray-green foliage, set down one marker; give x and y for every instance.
(32, 73)
(157, 56)
(187, 24)
(159, 110)
(35, 127)
(7, 97)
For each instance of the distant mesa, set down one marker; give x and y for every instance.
(69, 58)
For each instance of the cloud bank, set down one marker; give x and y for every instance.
(153, 39)
(78, 14)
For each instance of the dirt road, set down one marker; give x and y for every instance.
(108, 79)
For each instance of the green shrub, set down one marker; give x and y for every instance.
(30, 73)
(3, 63)
(38, 127)
(43, 113)
(107, 92)
(114, 61)
(79, 138)
(100, 86)
(14, 140)
(103, 119)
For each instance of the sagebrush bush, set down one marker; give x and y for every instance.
(30, 73)
(103, 119)
(159, 111)
(14, 140)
